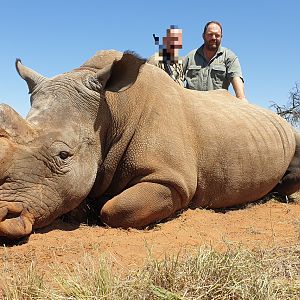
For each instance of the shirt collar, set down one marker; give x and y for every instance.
(220, 50)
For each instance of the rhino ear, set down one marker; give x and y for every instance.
(31, 77)
(121, 74)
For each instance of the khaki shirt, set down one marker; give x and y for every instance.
(176, 68)
(216, 74)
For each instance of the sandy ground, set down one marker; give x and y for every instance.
(267, 225)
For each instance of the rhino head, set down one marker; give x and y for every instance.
(49, 161)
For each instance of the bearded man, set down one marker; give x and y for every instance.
(212, 66)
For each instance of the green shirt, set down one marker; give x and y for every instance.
(216, 74)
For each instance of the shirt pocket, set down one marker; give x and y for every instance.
(218, 73)
(193, 74)
(193, 71)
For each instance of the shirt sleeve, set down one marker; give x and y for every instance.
(233, 66)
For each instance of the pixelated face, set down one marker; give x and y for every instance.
(173, 40)
(212, 36)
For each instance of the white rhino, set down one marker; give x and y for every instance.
(122, 127)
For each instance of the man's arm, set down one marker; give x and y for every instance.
(235, 73)
(238, 86)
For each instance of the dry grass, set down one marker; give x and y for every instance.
(207, 274)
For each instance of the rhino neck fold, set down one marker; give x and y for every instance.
(125, 115)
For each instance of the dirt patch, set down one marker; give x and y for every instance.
(272, 224)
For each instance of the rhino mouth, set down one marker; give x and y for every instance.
(15, 221)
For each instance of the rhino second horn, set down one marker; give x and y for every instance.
(30, 76)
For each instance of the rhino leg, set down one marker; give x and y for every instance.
(140, 205)
(290, 182)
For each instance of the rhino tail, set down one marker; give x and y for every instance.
(290, 182)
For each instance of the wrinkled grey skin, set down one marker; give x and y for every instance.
(103, 128)
(49, 161)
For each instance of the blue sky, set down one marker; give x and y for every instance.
(56, 36)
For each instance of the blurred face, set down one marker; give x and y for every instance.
(212, 37)
(173, 40)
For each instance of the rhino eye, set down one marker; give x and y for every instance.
(64, 154)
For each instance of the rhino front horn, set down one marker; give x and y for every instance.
(12, 125)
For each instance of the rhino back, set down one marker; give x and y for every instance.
(243, 150)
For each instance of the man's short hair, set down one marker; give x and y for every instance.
(171, 28)
(212, 22)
